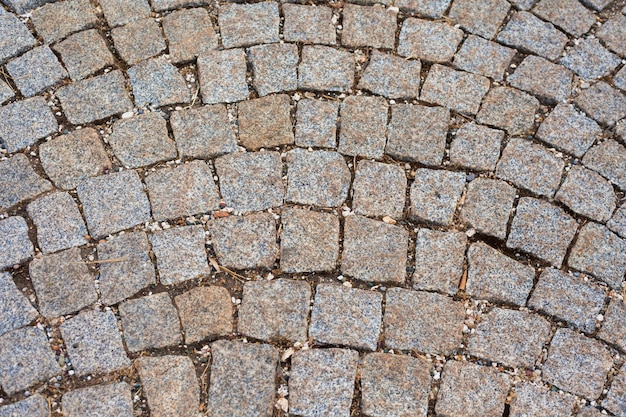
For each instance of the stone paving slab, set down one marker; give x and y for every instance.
(17, 246)
(25, 122)
(35, 406)
(15, 309)
(99, 400)
(439, 259)
(205, 312)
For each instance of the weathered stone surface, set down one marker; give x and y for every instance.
(613, 330)
(603, 103)
(15, 37)
(316, 123)
(428, 322)
(617, 224)
(36, 71)
(372, 26)
(391, 76)
(222, 76)
(457, 90)
(428, 8)
(6, 92)
(488, 206)
(509, 109)
(323, 68)
(84, 54)
(158, 83)
(100, 400)
(138, 40)
(54, 21)
(480, 17)
(189, 33)
(612, 32)
(439, 259)
(25, 122)
(569, 15)
(619, 80)
(369, 198)
(429, 41)
(248, 24)
(476, 147)
(309, 24)
(275, 67)
(162, 5)
(265, 122)
(483, 57)
(615, 400)
(435, 194)
(590, 59)
(590, 411)
(15, 309)
(529, 33)
(205, 312)
(16, 246)
(363, 126)
(18, 181)
(596, 4)
(203, 132)
(607, 158)
(588, 194)
(121, 12)
(536, 400)
(34, 406)
(542, 78)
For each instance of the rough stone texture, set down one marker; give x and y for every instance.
(439, 259)
(619, 80)
(513, 338)
(457, 90)
(251, 181)
(25, 122)
(309, 241)
(428, 322)
(58, 222)
(530, 166)
(95, 98)
(615, 400)
(248, 24)
(577, 364)
(370, 199)
(309, 24)
(180, 254)
(203, 132)
(34, 406)
(18, 181)
(470, 390)
(617, 224)
(100, 400)
(158, 83)
(36, 70)
(138, 40)
(568, 298)
(6, 92)
(391, 76)
(590, 59)
(536, 400)
(372, 26)
(346, 316)
(428, 8)
(113, 202)
(182, 191)
(170, 385)
(15, 309)
(121, 12)
(316, 124)
(603, 103)
(480, 17)
(588, 194)
(162, 5)
(242, 379)
(275, 310)
(509, 109)
(222, 76)
(25, 359)
(494, 276)
(15, 37)
(529, 33)
(135, 271)
(54, 21)
(483, 57)
(590, 411)
(150, 322)
(607, 159)
(430, 41)
(275, 67)
(417, 133)
(16, 246)
(394, 385)
(476, 147)
(189, 33)
(601, 253)
(205, 312)
(569, 130)
(363, 126)
(569, 15)
(246, 242)
(94, 343)
(488, 206)
(613, 33)
(323, 68)
(613, 330)
(435, 194)
(542, 78)
(596, 4)
(63, 283)
(322, 382)
(84, 54)
(265, 122)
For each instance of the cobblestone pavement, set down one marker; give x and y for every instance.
(414, 208)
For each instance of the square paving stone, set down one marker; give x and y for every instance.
(129, 269)
(319, 178)
(113, 202)
(94, 343)
(142, 140)
(379, 189)
(6, 92)
(530, 166)
(189, 33)
(374, 251)
(18, 181)
(425, 321)
(542, 230)
(222, 76)
(54, 21)
(372, 26)
(16, 246)
(121, 12)
(309, 241)
(568, 298)
(322, 382)
(439, 259)
(493, 276)
(203, 132)
(63, 283)
(613, 330)
(457, 90)
(205, 312)
(429, 41)
(488, 206)
(84, 54)
(509, 109)
(418, 133)
(476, 147)
(615, 400)
(391, 76)
(275, 310)
(613, 32)
(428, 8)
(265, 122)
(251, 181)
(25, 359)
(590, 411)
(529, 33)
(599, 252)
(598, 5)
(577, 364)
(309, 24)
(323, 68)
(483, 57)
(588, 194)
(182, 191)
(569, 130)
(150, 322)
(138, 40)
(480, 17)
(543, 79)
(170, 385)
(569, 15)
(163, 5)
(316, 123)
(363, 126)
(435, 194)
(34, 406)
(36, 70)
(603, 103)
(346, 316)
(510, 337)
(274, 67)
(242, 379)
(536, 400)
(590, 59)
(15, 309)
(15, 37)
(59, 223)
(25, 122)
(248, 24)
(619, 79)
(158, 83)
(470, 390)
(100, 400)
(617, 224)
(180, 254)
(95, 98)
(245, 242)
(607, 159)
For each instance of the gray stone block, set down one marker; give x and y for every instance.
(316, 123)
(476, 147)
(435, 194)
(222, 76)
(391, 76)
(205, 312)
(428, 8)
(428, 41)
(34, 406)
(274, 67)
(606, 158)
(158, 83)
(323, 68)
(590, 59)
(138, 40)
(532, 399)
(569, 15)
(612, 32)
(509, 109)
(488, 206)
(363, 126)
(613, 330)
(19, 182)
(484, 57)
(84, 54)
(15, 37)
(248, 24)
(588, 194)
(121, 12)
(528, 33)
(16, 246)
(36, 71)
(189, 33)
(457, 90)
(439, 259)
(615, 400)
(15, 309)
(480, 17)
(372, 26)
(25, 122)
(603, 103)
(542, 78)
(54, 21)
(379, 189)
(309, 24)
(100, 400)
(265, 122)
